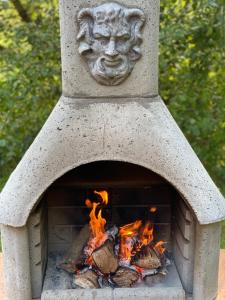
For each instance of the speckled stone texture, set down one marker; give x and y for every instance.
(143, 80)
(139, 131)
(16, 263)
(92, 122)
(221, 291)
(116, 294)
(206, 261)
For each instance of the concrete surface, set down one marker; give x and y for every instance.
(138, 131)
(221, 291)
(143, 80)
(16, 263)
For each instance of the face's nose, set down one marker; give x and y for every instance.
(111, 48)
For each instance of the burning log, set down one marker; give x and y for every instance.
(148, 259)
(86, 280)
(112, 232)
(105, 259)
(125, 277)
(108, 255)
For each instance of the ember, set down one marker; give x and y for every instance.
(153, 209)
(118, 257)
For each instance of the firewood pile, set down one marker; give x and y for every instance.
(117, 257)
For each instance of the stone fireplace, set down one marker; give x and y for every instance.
(110, 131)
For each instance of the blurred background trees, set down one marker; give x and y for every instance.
(30, 74)
(192, 75)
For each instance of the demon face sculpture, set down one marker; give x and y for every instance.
(109, 40)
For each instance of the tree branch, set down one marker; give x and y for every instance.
(21, 11)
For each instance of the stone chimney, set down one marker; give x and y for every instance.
(110, 110)
(135, 36)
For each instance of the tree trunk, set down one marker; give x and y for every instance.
(21, 11)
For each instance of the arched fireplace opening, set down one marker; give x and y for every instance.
(57, 224)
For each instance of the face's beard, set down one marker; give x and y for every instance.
(111, 72)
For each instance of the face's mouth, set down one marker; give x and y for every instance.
(110, 70)
(112, 62)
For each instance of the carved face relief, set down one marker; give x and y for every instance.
(110, 39)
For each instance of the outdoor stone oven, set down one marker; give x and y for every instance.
(110, 130)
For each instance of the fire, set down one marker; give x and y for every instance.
(97, 224)
(127, 240)
(138, 269)
(133, 237)
(104, 195)
(159, 247)
(117, 257)
(88, 203)
(146, 235)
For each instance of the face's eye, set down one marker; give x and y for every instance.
(103, 39)
(124, 37)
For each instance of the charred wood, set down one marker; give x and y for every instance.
(125, 277)
(148, 259)
(86, 280)
(112, 232)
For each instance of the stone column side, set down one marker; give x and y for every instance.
(206, 261)
(16, 263)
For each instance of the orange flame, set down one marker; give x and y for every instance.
(97, 224)
(127, 234)
(146, 236)
(159, 247)
(104, 196)
(88, 203)
(133, 236)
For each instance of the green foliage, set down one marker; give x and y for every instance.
(192, 72)
(29, 79)
(223, 236)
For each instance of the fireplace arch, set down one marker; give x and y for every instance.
(79, 132)
(133, 191)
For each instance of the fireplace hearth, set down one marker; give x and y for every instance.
(110, 133)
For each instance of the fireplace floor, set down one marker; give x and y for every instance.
(58, 285)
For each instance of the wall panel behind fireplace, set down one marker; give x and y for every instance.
(67, 212)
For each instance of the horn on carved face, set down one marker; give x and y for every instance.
(136, 27)
(84, 13)
(134, 12)
(84, 34)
